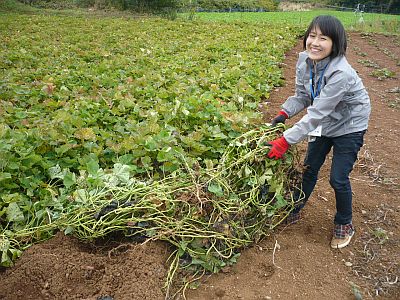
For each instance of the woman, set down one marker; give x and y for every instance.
(338, 109)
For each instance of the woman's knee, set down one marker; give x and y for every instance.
(310, 174)
(340, 184)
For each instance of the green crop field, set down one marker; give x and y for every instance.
(86, 102)
(75, 88)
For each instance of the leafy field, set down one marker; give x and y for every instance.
(88, 103)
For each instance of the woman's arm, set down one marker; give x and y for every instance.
(301, 99)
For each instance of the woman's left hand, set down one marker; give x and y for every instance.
(279, 147)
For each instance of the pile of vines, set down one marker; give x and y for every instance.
(207, 213)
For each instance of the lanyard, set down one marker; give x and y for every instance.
(315, 94)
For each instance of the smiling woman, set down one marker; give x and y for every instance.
(325, 36)
(338, 109)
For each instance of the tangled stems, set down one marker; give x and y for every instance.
(207, 214)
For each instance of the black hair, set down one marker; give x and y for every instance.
(332, 27)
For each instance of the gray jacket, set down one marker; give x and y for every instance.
(342, 107)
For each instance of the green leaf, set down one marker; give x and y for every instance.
(56, 172)
(63, 149)
(151, 232)
(68, 230)
(81, 195)
(182, 247)
(247, 171)
(252, 181)
(92, 167)
(280, 202)
(234, 258)
(15, 253)
(4, 176)
(216, 189)
(150, 144)
(122, 172)
(14, 213)
(5, 259)
(196, 261)
(4, 244)
(146, 161)
(69, 179)
(126, 159)
(165, 154)
(31, 160)
(3, 130)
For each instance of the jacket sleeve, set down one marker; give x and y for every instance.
(324, 106)
(295, 104)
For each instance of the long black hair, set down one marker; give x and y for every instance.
(332, 27)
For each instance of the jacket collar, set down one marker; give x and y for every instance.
(320, 65)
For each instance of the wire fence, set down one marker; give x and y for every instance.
(367, 8)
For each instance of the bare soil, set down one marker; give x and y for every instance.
(295, 262)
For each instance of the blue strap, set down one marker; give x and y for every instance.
(315, 94)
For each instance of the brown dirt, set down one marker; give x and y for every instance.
(65, 268)
(292, 263)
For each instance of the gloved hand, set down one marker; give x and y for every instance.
(280, 118)
(279, 147)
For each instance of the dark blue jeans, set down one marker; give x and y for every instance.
(345, 150)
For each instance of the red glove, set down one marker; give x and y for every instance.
(279, 147)
(280, 118)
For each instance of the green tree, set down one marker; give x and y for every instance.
(248, 4)
(392, 4)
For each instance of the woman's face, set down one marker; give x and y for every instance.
(318, 45)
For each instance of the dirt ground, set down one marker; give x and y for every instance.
(295, 262)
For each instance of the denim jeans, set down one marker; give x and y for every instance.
(345, 150)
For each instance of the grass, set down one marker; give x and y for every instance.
(369, 23)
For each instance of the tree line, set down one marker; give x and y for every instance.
(386, 6)
(159, 5)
